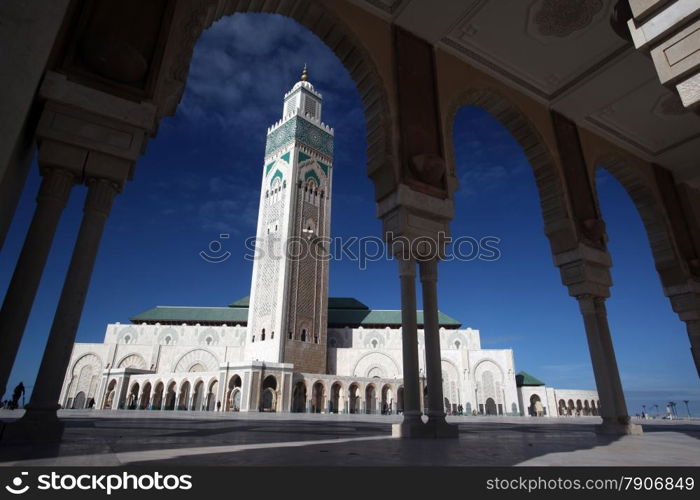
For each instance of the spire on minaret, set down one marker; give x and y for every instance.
(304, 74)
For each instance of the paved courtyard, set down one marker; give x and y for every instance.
(180, 438)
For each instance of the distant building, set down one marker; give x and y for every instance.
(289, 347)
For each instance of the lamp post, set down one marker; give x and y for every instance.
(644, 411)
(656, 415)
(687, 408)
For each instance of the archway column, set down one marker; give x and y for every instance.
(52, 198)
(412, 424)
(433, 359)
(56, 357)
(585, 271)
(685, 300)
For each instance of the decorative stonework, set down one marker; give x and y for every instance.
(132, 361)
(561, 18)
(203, 360)
(299, 130)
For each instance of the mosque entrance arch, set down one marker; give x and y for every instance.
(490, 407)
(79, 401)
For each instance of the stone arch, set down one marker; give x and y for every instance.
(317, 17)
(203, 357)
(640, 188)
(133, 360)
(376, 359)
(548, 177)
(86, 372)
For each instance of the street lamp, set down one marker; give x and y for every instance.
(644, 411)
(687, 407)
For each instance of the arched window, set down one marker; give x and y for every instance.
(272, 335)
(209, 340)
(303, 335)
(374, 343)
(127, 339)
(262, 336)
(457, 344)
(315, 339)
(290, 335)
(253, 339)
(168, 339)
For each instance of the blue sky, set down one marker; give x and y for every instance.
(200, 177)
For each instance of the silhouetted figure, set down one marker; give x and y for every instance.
(16, 394)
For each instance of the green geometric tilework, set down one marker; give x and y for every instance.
(299, 129)
(311, 173)
(285, 157)
(268, 168)
(303, 157)
(277, 174)
(323, 166)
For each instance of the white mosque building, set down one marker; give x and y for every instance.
(290, 347)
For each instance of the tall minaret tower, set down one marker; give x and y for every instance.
(287, 318)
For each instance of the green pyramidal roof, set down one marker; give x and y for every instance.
(342, 312)
(524, 378)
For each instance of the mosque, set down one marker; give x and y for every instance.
(289, 346)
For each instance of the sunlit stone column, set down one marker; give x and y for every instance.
(412, 425)
(433, 361)
(612, 399)
(51, 200)
(47, 388)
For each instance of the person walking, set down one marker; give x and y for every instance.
(16, 394)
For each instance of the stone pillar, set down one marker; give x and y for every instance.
(43, 405)
(685, 300)
(433, 358)
(53, 195)
(612, 398)
(412, 425)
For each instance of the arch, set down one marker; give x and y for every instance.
(110, 394)
(299, 397)
(235, 402)
(318, 395)
(354, 398)
(399, 399)
(387, 399)
(562, 407)
(375, 359)
(203, 357)
(132, 399)
(536, 408)
(171, 396)
(145, 396)
(79, 401)
(198, 398)
(630, 174)
(548, 177)
(490, 407)
(370, 399)
(319, 19)
(183, 399)
(210, 403)
(336, 396)
(157, 403)
(133, 360)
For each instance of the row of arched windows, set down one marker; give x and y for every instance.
(263, 336)
(304, 336)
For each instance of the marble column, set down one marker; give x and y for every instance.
(51, 200)
(433, 358)
(43, 404)
(613, 407)
(412, 425)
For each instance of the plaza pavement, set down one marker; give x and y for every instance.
(113, 438)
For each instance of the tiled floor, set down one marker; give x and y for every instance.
(130, 437)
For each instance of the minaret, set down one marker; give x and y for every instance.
(287, 318)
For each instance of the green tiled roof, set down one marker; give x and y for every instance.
(524, 378)
(342, 312)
